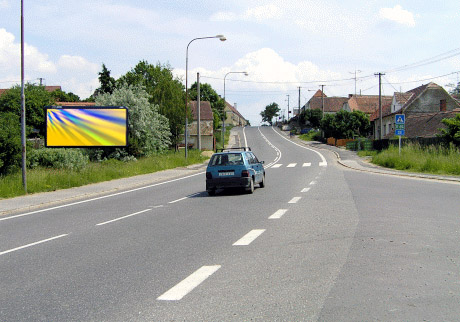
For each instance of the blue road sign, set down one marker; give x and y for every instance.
(400, 132)
(400, 119)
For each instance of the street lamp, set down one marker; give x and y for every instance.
(225, 103)
(221, 38)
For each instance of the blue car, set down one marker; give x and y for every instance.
(234, 168)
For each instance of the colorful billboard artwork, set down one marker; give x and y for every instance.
(86, 127)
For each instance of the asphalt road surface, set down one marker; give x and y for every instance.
(319, 243)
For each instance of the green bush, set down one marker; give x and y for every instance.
(69, 159)
(10, 143)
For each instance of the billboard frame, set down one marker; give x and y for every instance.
(85, 107)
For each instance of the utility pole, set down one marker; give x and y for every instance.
(198, 112)
(299, 99)
(288, 107)
(356, 71)
(322, 100)
(41, 80)
(23, 105)
(380, 104)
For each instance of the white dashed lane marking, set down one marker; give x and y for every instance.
(277, 165)
(124, 217)
(32, 244)
(187, 285)
(295, 200)
(249, 237)
(307, 164)
(305, 189)
(278, 214)
(291, 165)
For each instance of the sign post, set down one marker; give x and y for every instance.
(400, 127)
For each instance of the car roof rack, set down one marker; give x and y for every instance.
(244, 148)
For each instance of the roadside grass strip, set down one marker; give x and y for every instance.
(278, 214)
(32, 244)
(187, 285)
(249, 237)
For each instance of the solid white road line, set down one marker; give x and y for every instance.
(323, 162)
(278, 214)
(305, 189)
(124, 217)
(291, 165)
(33, 244)
(187, 285)
(307, 164)
(295, 199)
(180, 199)
(249, 237)
(99, 198)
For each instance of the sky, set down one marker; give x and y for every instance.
(282, 45)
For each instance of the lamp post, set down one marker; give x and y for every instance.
(221, 38)
(225, 103)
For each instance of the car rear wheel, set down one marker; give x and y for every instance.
(251, 186)
(262, 183)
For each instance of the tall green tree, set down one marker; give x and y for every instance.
(10, 142)
(37, 98)
(148, 130)
(270, 112)
(164, 89)
(107, 82)
(313, 116)
(346, 125)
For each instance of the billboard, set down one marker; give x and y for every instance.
(82, 127)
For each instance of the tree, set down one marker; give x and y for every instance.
(313, 116)
(345, 125)
(270, 112)
(37, 98)
(456, 91)
(148, 130)
(164, 89)
(107, 82)
(452, 132)
(10, 142)
(61, 96)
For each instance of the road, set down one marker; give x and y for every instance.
(319, 243)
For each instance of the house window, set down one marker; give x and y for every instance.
(442, 105)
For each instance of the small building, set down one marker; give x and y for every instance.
(424, 106)
(329, 105)
(365, 103)
(206, 126)
(233, 116)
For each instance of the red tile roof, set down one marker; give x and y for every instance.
(234, 110)
(205, 110)
(367, 103)
(331, 104)
(47, 88)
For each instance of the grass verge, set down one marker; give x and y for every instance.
(44, 179)
(414, 158)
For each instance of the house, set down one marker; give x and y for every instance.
(329, 105)
(365, 103)
(206, 126)
(232, 116)
(424, 106)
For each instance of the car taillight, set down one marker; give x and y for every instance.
(245, 174)
(208, 175)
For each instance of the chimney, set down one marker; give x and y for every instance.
(350, 95)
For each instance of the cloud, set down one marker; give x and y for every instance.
(259, 14)
(399, 15)
(4, 4)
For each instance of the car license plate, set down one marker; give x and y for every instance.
(225, 174)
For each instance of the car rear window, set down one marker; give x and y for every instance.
(226, 159)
